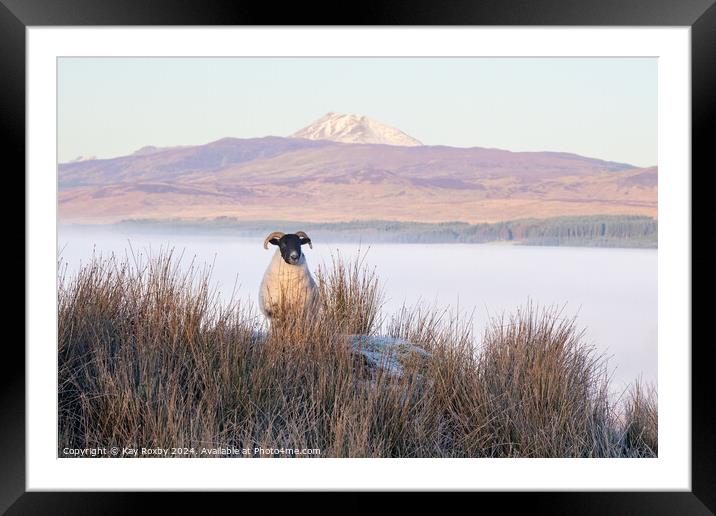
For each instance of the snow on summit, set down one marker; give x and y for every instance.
(354, 129)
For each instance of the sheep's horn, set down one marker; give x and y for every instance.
(301, 234)
(275, 234)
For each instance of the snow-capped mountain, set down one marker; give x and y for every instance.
(355, 129)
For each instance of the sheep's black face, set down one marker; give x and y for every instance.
(290, 247)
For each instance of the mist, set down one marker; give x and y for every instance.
(612, 292)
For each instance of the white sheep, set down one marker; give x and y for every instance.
(287, 286)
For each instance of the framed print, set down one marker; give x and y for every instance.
(450, 250)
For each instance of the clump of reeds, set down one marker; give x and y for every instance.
(640, 420)
(350, 294)
(149, 357)
(547, 388)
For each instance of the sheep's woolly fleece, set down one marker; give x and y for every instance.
(283, 283)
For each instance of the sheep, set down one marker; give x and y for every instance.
(287, 286)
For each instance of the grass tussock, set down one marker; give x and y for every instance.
(350, 295)
(641, 420)
(149, 357)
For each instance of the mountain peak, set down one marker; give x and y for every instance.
(354, 129)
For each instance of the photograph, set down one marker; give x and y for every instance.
(357, 257)
(427, 247)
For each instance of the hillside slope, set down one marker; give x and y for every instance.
(319, 180)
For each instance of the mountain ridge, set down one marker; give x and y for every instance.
(327, 181)
(268, 177)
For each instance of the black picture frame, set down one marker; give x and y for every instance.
(17, 15)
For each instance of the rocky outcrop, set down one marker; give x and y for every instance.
(390, 354)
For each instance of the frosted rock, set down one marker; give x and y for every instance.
(391, 354)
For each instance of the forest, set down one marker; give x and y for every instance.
(591, 231)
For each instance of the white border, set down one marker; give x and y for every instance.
(670, 471)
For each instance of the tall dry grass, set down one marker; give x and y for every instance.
(149, 357)
(640, 420)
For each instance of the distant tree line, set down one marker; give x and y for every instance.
(597, 230)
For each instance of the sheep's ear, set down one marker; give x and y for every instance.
(273, 238)
(303, 238)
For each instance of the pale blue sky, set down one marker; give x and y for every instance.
(597, 107)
